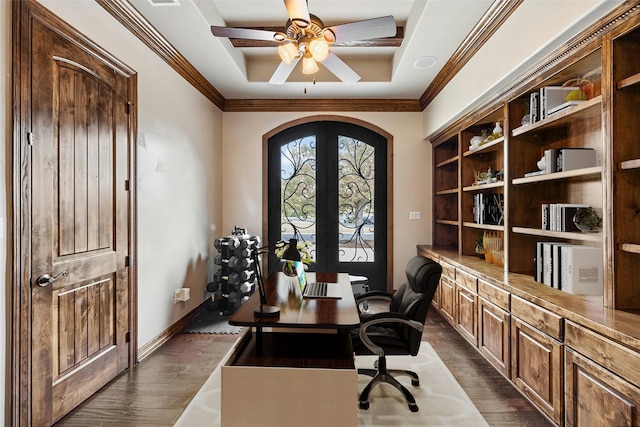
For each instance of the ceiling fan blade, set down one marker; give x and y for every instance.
(384, 26)
(283, 71)
(298, 12)
(340, 69)
(242, 33)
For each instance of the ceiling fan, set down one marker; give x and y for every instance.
(306, 38)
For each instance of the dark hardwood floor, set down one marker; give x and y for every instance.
(156, 391)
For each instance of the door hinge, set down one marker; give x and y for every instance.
(127, 336)
(126, 261)
(126, 185)
(129, 105)
(30, 138)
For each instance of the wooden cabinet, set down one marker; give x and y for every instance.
(527, 330)
(595, 397)
(447, 298)
(494, 326)
(536, 367)
(602, 379)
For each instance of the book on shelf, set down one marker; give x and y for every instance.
(559, 216)
(575, 269)
(575, 158)
(534, 106)
(582, 270)
(488, 208)
(550, 158)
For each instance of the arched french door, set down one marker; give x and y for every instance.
(327, 185)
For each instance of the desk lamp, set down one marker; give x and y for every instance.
(291, 254)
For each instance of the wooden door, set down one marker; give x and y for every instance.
(78, 128)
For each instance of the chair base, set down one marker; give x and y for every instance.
(384, 375)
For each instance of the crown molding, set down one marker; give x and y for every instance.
(497, 14)
(128, 16)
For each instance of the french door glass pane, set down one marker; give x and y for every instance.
(356, 173)
(298, 191)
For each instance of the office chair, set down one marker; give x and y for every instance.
(397, 331)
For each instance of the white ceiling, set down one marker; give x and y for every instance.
(431, 28)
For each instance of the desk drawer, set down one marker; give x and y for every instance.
(538, 317)
(494, 294)
(467, 280)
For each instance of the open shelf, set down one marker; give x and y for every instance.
(484, 226)
(594, 171)
(629, 81)
(449, 161)
(577, 113)
(630, 164)
(482, 187)
(486, 148)
(447, 222)
(629, 247)
(448, 191)
(584, 237)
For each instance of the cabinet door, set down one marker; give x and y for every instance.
(596, 397)
(536, 367)
(447, 299)
(467, 314)
(494, 335)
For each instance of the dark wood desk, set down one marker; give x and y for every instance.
(296, 312)
(295, 369)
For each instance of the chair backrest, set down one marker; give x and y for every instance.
(413, 299)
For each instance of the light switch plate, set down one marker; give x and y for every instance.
(415, 215)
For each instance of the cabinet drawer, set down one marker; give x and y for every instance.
(448, 270)
(538, 317)
(609, 354)
(494, 294)
(467, 280)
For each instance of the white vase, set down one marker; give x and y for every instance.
(498, 129)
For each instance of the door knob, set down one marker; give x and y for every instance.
(46, 278)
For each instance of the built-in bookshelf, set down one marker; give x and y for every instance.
(608, 71)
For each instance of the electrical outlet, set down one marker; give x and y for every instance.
(181, 295)
(415, 215)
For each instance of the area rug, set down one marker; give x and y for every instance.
(441, 400)
(211, 322)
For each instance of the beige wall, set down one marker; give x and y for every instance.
(411, 175)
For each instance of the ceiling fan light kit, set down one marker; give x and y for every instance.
(306, 38)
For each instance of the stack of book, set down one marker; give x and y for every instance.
(488, 208)
(575, 269)
(559, 216)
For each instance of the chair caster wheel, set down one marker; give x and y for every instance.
(365, 405)
(413, 407)
(415, 383)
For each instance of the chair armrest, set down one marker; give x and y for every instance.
(374, 295)
(388, 317)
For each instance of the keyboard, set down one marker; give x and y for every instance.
(315, 289)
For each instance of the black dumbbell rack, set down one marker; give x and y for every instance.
(235, 280)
